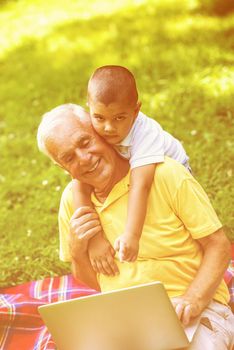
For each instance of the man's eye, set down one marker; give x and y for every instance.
(85, 143)
(119, 118)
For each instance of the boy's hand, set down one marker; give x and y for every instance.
(128, 247)
(101, 255)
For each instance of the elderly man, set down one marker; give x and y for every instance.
(182, 245)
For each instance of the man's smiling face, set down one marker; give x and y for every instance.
(78, 149)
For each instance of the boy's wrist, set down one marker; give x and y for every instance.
(132, 234)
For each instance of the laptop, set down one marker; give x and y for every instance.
(135, 318)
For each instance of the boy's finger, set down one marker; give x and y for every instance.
(100, 267)
(112, 267)
(112, 251)
(94, 265)
(122, 251)
(133, 258)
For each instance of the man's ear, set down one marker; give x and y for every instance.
(60, 166)
(137, 108)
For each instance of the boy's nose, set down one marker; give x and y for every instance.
(109, 127)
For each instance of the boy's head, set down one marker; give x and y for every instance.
(113, 102)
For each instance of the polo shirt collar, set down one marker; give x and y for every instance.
(119, 190)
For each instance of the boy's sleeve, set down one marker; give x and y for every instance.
(147, 144)
(193, 207)
(65, 213)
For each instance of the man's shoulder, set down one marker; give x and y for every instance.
(66, 197)
(172, 172)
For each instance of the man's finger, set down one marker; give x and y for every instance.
(89, 225)
(81, 230)
(89, 233)
(81, 211)
(83, 219)
(179, 309)
(186, 314)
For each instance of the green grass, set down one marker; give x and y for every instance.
(184, 65)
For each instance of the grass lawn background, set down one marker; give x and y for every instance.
(183, 61)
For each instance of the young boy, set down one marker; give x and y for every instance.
(115, 115)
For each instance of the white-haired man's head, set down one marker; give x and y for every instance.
(67, 137)
(53, 119)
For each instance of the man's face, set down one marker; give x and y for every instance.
(80, 151)
(114, 121)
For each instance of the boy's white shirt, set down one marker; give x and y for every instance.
(148, 143)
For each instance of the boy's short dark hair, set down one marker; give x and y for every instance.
(112, 83)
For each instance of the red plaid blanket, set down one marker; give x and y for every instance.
(21, 327)
(20, 324)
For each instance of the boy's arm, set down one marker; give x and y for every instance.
(141, 179)
(81, 194)
(100, 251)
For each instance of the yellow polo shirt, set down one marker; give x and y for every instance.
(179, 212)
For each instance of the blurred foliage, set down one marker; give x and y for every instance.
(217, 7)
(184, 66)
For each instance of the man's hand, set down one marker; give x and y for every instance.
(101, 255)
(216, 255)
(187, 309)
(128, 247)
(84, 225)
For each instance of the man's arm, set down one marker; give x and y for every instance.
(84, 225)
(101, 253)
(216, 256)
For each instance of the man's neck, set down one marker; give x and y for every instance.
(120, 171)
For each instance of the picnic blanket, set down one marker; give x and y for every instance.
(21, 327)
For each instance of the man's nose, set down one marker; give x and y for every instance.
(83, 157)
(109, 128)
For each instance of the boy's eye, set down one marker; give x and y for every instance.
(119, 118)
(99, 118)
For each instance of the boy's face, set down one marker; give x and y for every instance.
(114, 121)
